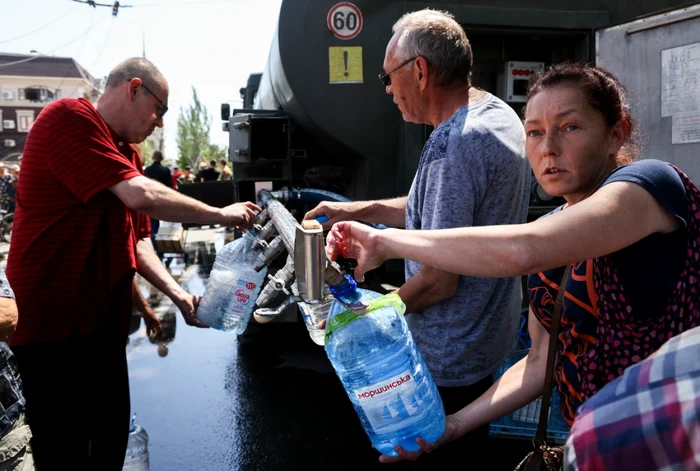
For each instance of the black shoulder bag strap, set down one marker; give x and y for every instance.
(551, 357)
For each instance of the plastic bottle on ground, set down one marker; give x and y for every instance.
(136, 458)
(383, 373)
(232, 287)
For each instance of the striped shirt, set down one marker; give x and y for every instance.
(73, 253)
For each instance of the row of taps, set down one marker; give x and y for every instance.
(307, 267)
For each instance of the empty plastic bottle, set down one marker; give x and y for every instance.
(383, 373)
(233, 287)
(136, 458)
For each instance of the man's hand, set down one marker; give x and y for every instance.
(154, 328)
(335, 212)
(241, 215)
(357, 241)
(188, 305)
(451, 433)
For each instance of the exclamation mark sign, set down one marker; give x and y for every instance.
(345, 59)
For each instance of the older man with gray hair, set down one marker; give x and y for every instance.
(472, 172)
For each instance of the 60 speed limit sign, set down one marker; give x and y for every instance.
(345, 20)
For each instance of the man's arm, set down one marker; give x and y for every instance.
(156, 200)
(429, 286)
(391, 212)
(151, 268)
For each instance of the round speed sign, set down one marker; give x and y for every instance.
(345, 20)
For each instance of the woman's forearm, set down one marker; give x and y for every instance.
(520, 384)
(495, 251)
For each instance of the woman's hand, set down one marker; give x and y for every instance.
(451, 433)
(357, 241)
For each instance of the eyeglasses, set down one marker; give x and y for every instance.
(163, 107)
(386, 77)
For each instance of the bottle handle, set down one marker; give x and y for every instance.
(350, 315)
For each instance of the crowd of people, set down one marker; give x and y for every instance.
(629, 231)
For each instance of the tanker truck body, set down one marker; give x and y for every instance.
(318, 117)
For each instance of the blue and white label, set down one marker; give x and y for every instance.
(388, 402)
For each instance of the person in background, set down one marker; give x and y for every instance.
(629, 229)
(186, 176)
(647, 419)
(11, 188)
(160, 173)
(92, 226)
(226, 172)
(207, 173)
(15, 432)
(5, 183)
(472, 172)
(175, 175)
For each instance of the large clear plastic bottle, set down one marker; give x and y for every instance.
(384, 374)
(232, 288)
(136, 458)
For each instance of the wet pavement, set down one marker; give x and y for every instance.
(267, 400)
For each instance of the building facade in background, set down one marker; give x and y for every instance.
(30, 82)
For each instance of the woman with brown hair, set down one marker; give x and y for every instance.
(630, 230)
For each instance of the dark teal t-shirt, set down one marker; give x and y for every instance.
(648, 271)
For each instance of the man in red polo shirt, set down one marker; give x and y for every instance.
(80, 235)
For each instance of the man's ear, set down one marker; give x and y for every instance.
(421, 71)
(133, 88)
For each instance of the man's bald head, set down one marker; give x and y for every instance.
(135, 99)
(132, 68)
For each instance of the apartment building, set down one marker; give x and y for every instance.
(30, 82)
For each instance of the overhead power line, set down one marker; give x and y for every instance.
(192, 2)
(40, 28)
(114, 6)
(87, 31)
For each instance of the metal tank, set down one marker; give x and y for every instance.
(318, 118)
(335, 126)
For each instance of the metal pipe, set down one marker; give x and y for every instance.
(270, 253)
(277, 285)
(264, 233)
(286, 226)
(314, 196)
(284, 221)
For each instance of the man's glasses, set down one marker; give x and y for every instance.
(386, 77)
(163, 107)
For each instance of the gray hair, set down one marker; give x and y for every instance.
(133, 68)
(440, 40)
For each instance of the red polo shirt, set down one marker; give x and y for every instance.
(73, 253)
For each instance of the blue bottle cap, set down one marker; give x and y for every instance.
(322, 219)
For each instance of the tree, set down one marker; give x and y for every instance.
(193, 126)
(146, 149)
(215, 152)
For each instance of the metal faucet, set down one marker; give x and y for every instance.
(307, 263)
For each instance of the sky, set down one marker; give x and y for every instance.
(212, 45)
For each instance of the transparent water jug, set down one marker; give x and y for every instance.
(383, 373)
(232, 287)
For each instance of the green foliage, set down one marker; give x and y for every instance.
(215, 152)
(146, 151)
(193, 126)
